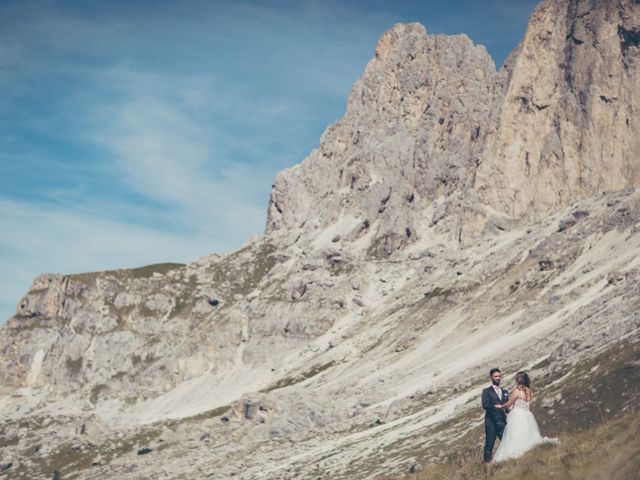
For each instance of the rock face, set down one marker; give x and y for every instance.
(569, 120)
(452, 220)
(409, 142)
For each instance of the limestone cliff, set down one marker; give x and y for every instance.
(569, 121)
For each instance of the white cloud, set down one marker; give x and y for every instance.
(162, 152)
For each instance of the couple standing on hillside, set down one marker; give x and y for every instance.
(521, 433)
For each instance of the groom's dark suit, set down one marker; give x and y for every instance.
(494, 419)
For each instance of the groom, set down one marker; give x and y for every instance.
(494, 419)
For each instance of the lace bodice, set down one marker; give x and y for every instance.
(521, 403)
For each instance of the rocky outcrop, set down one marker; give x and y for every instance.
(409, 142)
(569, 120)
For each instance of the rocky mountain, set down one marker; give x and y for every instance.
(455, 218)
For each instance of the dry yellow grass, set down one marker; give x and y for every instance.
(608, 451)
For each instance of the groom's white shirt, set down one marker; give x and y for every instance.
(498, 391)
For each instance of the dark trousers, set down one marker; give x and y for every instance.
(491, 431)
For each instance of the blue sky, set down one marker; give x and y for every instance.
(135, 132)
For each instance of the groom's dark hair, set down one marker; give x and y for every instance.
(494, 370)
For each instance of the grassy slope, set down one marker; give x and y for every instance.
(610, 450)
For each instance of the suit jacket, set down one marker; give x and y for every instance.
(489, 400)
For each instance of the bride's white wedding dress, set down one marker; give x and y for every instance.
(521, 433)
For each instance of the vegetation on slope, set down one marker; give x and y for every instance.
(610, 450)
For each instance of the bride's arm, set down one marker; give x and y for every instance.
(512, 399)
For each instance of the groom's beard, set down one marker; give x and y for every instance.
(497, 384)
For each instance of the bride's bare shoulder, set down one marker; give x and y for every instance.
(517, 393)
(525, 393)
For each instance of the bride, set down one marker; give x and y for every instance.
(521, 433)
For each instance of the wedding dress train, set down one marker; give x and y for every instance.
(521, 433)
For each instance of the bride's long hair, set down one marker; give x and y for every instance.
(522, 378)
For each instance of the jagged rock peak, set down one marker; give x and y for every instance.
(410, 138)
(389, 39)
